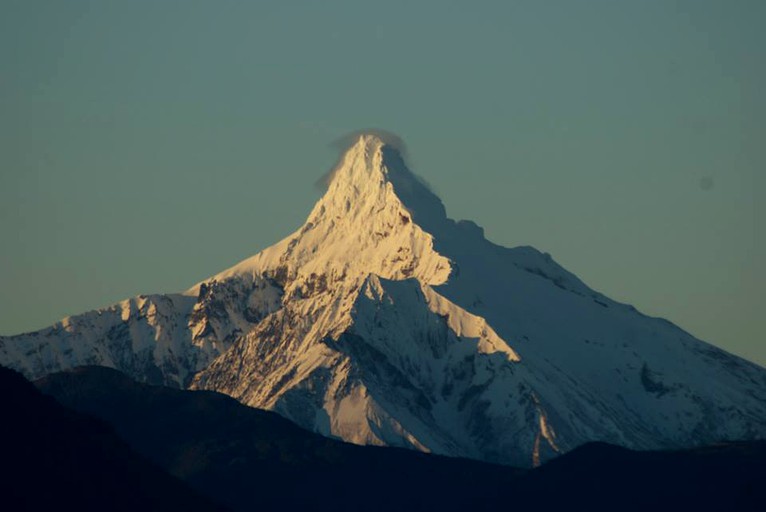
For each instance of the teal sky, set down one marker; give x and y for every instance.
(146, 145)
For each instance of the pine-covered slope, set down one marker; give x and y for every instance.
(381, 321)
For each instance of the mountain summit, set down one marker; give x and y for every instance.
(382, 321)
(361, 225)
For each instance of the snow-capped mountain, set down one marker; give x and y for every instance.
(381, 321)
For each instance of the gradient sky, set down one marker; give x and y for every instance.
(146, 145)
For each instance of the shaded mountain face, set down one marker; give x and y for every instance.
(251, 459)
(381, 321)
(57, 459)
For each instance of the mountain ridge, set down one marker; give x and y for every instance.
(246, 458)
(382, 321)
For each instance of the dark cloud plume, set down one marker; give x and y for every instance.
(346, 141)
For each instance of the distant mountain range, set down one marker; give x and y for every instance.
(383, 322)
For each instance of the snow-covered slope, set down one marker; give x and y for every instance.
(162, 339)
(381, 321)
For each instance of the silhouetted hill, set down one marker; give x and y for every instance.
(256, 460)
(251, 459)
(729, 476)
(56, 459)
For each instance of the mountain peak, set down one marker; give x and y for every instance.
(375, 217)
(369, 141)
(373, 167)
(382, 321)
(360, 168)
